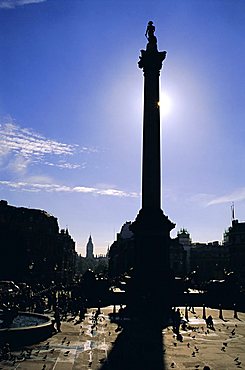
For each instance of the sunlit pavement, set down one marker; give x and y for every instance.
(86, 345)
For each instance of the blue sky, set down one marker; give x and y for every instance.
(71, 112)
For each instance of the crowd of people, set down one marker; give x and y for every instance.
(40, 300)
(59, 302)
(56, 301)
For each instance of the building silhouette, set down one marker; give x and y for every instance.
(185, 240)
(122, 255)
(210, 261)
(122, 252)
(205, 261)
(32, 248)
(234, 240)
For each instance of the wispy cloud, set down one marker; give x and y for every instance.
(47, 187)
(200, 199)
(29, 147)
(236, 196)
(21, 147)
(11, 4)
(18, 165)
(206, 200)
(29, 143)
(63, 164)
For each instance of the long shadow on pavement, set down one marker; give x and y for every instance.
(137, 347)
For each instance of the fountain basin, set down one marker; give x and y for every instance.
(27, 328)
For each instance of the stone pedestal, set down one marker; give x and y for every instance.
(152, 280)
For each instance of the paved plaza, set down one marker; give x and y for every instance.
(104, 345)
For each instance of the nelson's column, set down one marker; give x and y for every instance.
(151, 282)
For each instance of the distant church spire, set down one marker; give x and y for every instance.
(90, 248)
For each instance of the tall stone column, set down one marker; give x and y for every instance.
(151, 280)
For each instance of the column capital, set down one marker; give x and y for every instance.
(151, 60)
(151, 221)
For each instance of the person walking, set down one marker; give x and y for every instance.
(57, 319)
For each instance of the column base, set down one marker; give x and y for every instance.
(150, 293)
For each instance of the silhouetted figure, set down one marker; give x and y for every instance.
(8, 315)
(57, 319)
(209, 322)
(120, 312)
(82, 312)
(184, 325)
(186, 313)
(235, 312)
(176, 321)
(220, 312)
(97, 314)
(149, 34)
(191, 309)
(6, 353)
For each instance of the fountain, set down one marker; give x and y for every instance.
(23, 328)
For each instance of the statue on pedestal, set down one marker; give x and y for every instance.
(149, 34)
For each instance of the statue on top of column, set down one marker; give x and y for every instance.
(149, 34)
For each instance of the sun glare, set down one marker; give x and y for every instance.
(165, 104)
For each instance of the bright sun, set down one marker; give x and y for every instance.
(165, 104)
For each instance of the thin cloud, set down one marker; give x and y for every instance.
(31, 147)
(19, 165)
(65, 165)
(201, 199)
(236, 196)
(28, 143)
(11, 4)
(44, 187)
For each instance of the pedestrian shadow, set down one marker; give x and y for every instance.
(137, 347)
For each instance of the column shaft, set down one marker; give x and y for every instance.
(151, 166)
